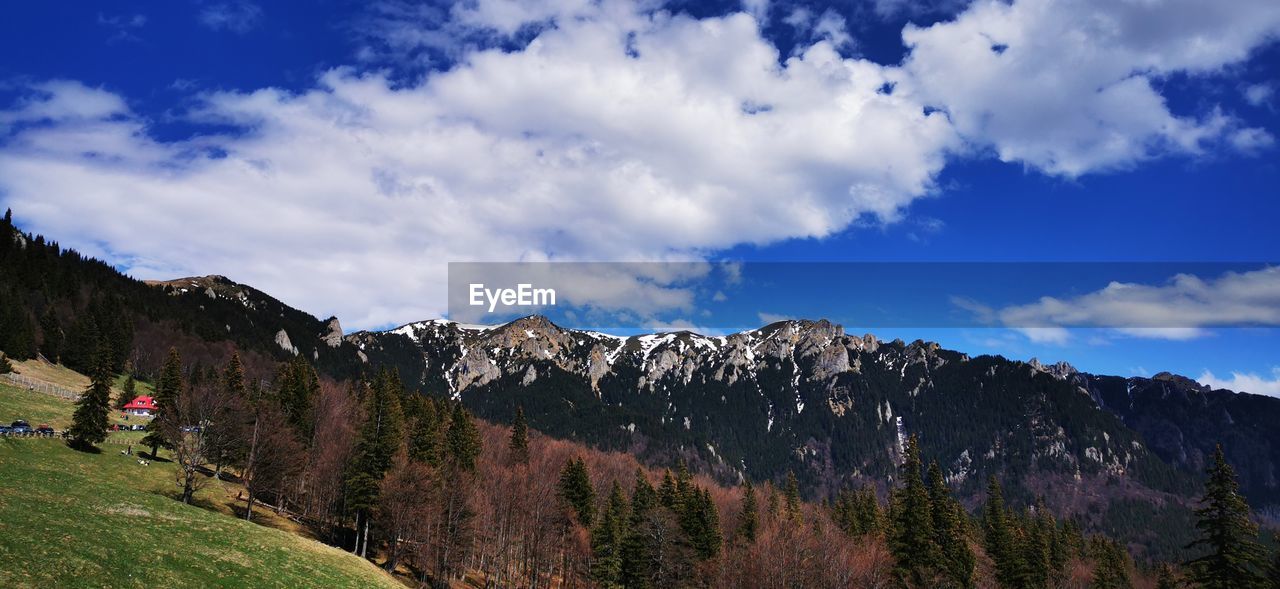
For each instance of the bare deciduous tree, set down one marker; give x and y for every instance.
(197, 412)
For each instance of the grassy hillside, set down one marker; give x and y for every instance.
(37, 408)
(72, 519)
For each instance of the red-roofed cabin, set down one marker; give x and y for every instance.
(143, 405)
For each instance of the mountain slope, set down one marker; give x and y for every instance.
(804, 396)
(75, 519)
(48, 294)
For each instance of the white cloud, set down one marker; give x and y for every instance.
(1258, 94)
(1251, 140)
(239, 16)
(64, 102)
(800, 19)
(829, 26)
(1178, 310)
(766, 318)
(1068, 87)
(1245, 382)
(1046, 335)
(620, 132)
(758, 9)
(832, 27)
(349, 198)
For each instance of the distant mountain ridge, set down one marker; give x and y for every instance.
(796, 395)
(804, 395)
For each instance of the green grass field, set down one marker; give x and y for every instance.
(73, 519)
(37, 408)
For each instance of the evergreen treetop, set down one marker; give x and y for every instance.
(576, 491)
(1226, 531)
(89, 422)
(519, 441)
(462, 441)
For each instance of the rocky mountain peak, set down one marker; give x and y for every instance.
(333, 333)
(1180, 381)
(1060, 370)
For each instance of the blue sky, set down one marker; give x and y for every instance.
(338, 154)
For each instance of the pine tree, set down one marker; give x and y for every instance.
(667, 490)
(637, 554)
(607, 540)
(81, 344)
(915, 553)
(1273, 572)
(224, 435)
(297, 385)
(1165, 579)
(998, 535)
(519, 442)
(168, 388)
(700, 521)
(1112, 570)
(379, 439)
(1072, 539)
(462, 441)
(949, 532)
(684, 482)
(51, 332)
(1226, 530)
(128, 392)
(712, 539)
(1059, 551)
(576, 491)
(426, 434)
(89, 422)
(791, 496)
(866, 511)
(1035, 550)
(772, 503)
(749, 517)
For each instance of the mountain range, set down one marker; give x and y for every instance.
(1124, 454)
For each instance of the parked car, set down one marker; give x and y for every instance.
(44, 430)
(20, 426)
(5, 430)
(137, 427)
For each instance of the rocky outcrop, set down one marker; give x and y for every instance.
(476, 368)
(333, 333)
(1058, 370)
(282, 340)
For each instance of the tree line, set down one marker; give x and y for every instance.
(417, 485)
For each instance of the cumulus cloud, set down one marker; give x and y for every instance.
(1251, 140)
(1069, 87)
(1177, 310)
(624, 137)
(63, 101)
(1258, 94)
(828, 26)
(612, 130)
(1245, 382)
(1046, 335)
(758, 9)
